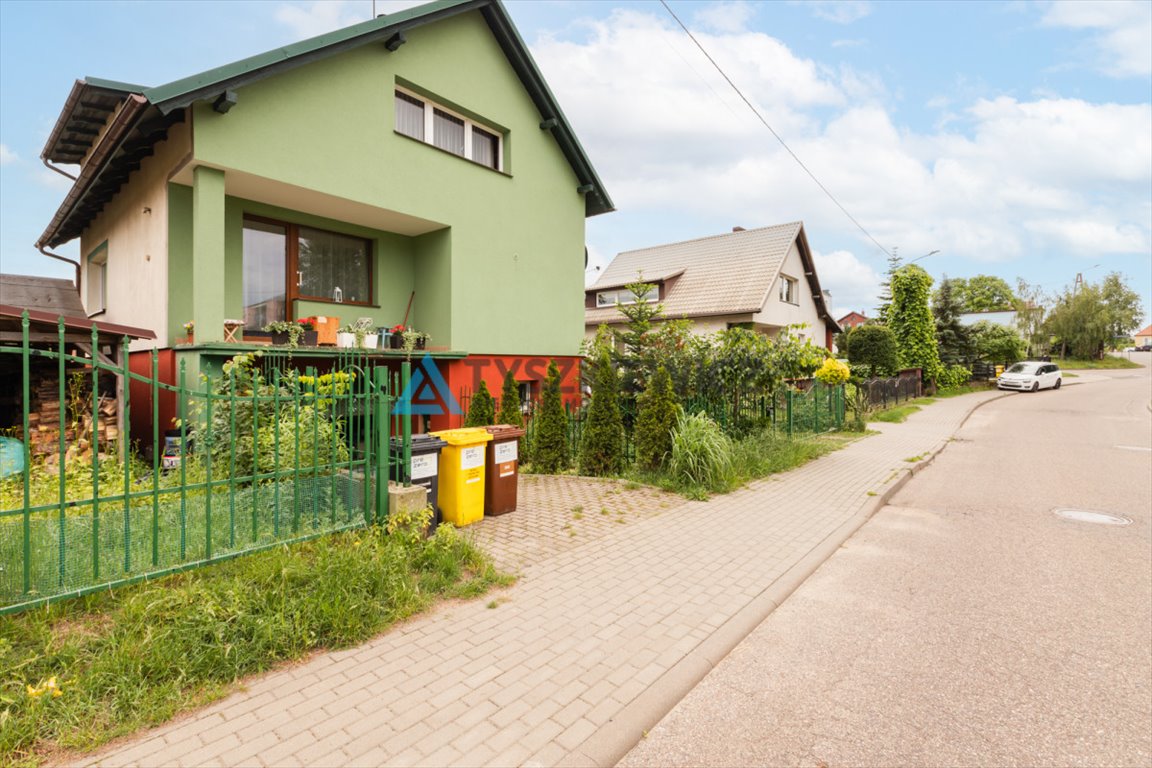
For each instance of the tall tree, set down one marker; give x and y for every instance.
(482, 410)
(951, 334)
(1030, 312)
(997, 343)
(1087, 319)
(602, 441)
(875, 346)
(885, 296)
(910, 319)
(983, 293)
(1122, 307)
(635, 356)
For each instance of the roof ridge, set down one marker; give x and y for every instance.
(796, 224)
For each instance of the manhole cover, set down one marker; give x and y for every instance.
(1088, 516)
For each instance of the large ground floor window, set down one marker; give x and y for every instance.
(284, 262)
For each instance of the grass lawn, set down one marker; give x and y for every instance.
(1110, 362)
(79, 673)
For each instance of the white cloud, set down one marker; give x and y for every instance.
(839, 11)
(725, 17)
(997, 180)
(7, 156)
(1122, 32)
(320, 16)
(854, 285)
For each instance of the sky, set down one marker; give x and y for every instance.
(1015, 138)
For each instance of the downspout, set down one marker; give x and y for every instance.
(74, 263)
(51, 167)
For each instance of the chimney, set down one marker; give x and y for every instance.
(738, 229)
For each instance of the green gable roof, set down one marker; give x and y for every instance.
(213, 82)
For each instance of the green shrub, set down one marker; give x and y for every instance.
(954, 376)
(874, 346)
(510, 403)
(701, 453)
(482, 409)
(832, 372)
(658, 410)
(602, 441)
(550, 442)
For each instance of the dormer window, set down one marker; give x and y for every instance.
(625, 296)
(420, 119)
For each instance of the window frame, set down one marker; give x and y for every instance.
(97, 257)
(618, 293)
(430, 108)
(292, 262)
(789, 290)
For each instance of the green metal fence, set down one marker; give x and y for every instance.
(810, 408)
(263, 456)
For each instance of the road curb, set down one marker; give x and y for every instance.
(610, 743)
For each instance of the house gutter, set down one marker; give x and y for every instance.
(73, 262)
(97, 163)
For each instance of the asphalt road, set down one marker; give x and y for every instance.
(965, 623)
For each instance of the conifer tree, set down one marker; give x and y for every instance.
(510, 403)
(481, 411)
(550, 441)
(655, 421)
(602, 444)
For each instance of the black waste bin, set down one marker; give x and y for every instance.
(424, 470)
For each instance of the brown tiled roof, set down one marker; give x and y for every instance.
(723, 274)
(1146, 332)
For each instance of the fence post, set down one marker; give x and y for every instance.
(207, 451)
(95, 453)
(61, 412)
(25, 353)
(380, 385)
(816, 409)
(156, 451)
(788, 394)
(124, 408)
(406, 423)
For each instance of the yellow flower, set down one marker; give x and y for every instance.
(34, 692)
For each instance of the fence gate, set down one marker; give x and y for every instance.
(262, 455)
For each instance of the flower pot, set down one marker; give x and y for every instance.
(280, 337)
(309, 339)
(346, 340)
(397, 341)
(370, 340)
(420, 342)
(189, 338)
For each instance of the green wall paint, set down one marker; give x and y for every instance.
(508, 279)
(393, 268)
(208, 243)
(179, 259)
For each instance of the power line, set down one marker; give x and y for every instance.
(771, 130)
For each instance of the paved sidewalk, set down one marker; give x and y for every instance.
(593, 645)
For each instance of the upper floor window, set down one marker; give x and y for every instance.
(788, 292)
(625, 296)
(425, 121)
(94, 295)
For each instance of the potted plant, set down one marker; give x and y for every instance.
(397, 338)
(357, 334)
(291, 332)
(309, 337)
(189, 327)
(422, 340)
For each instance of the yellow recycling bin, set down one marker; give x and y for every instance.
(462, 474)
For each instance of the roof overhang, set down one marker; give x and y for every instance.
(649, 280)
(86, 111)
(814, 281)
(41, 322)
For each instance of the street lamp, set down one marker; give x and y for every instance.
(930, 253)
(1080, 278)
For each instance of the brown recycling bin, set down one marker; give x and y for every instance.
(502, 469)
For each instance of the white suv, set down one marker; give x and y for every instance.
(1030, 376)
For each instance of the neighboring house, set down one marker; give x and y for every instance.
(1006, 319)
(852, 320)
(1143, 337)
(415, 165)
(762, 279)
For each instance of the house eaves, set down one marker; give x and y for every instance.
(86, 111)
(813, 281)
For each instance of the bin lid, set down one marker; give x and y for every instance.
(423, 443)
(505, 431)
(463, 436)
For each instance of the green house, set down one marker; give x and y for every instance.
(415, 166)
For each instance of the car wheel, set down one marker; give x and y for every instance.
(1035, 386)
(1057, 384)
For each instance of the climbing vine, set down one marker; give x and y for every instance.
(910, 319)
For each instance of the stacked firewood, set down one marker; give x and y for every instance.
(44, 420)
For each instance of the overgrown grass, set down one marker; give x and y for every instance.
(895, 415)
(755, 456)
(136, 657)
(1110, 362)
